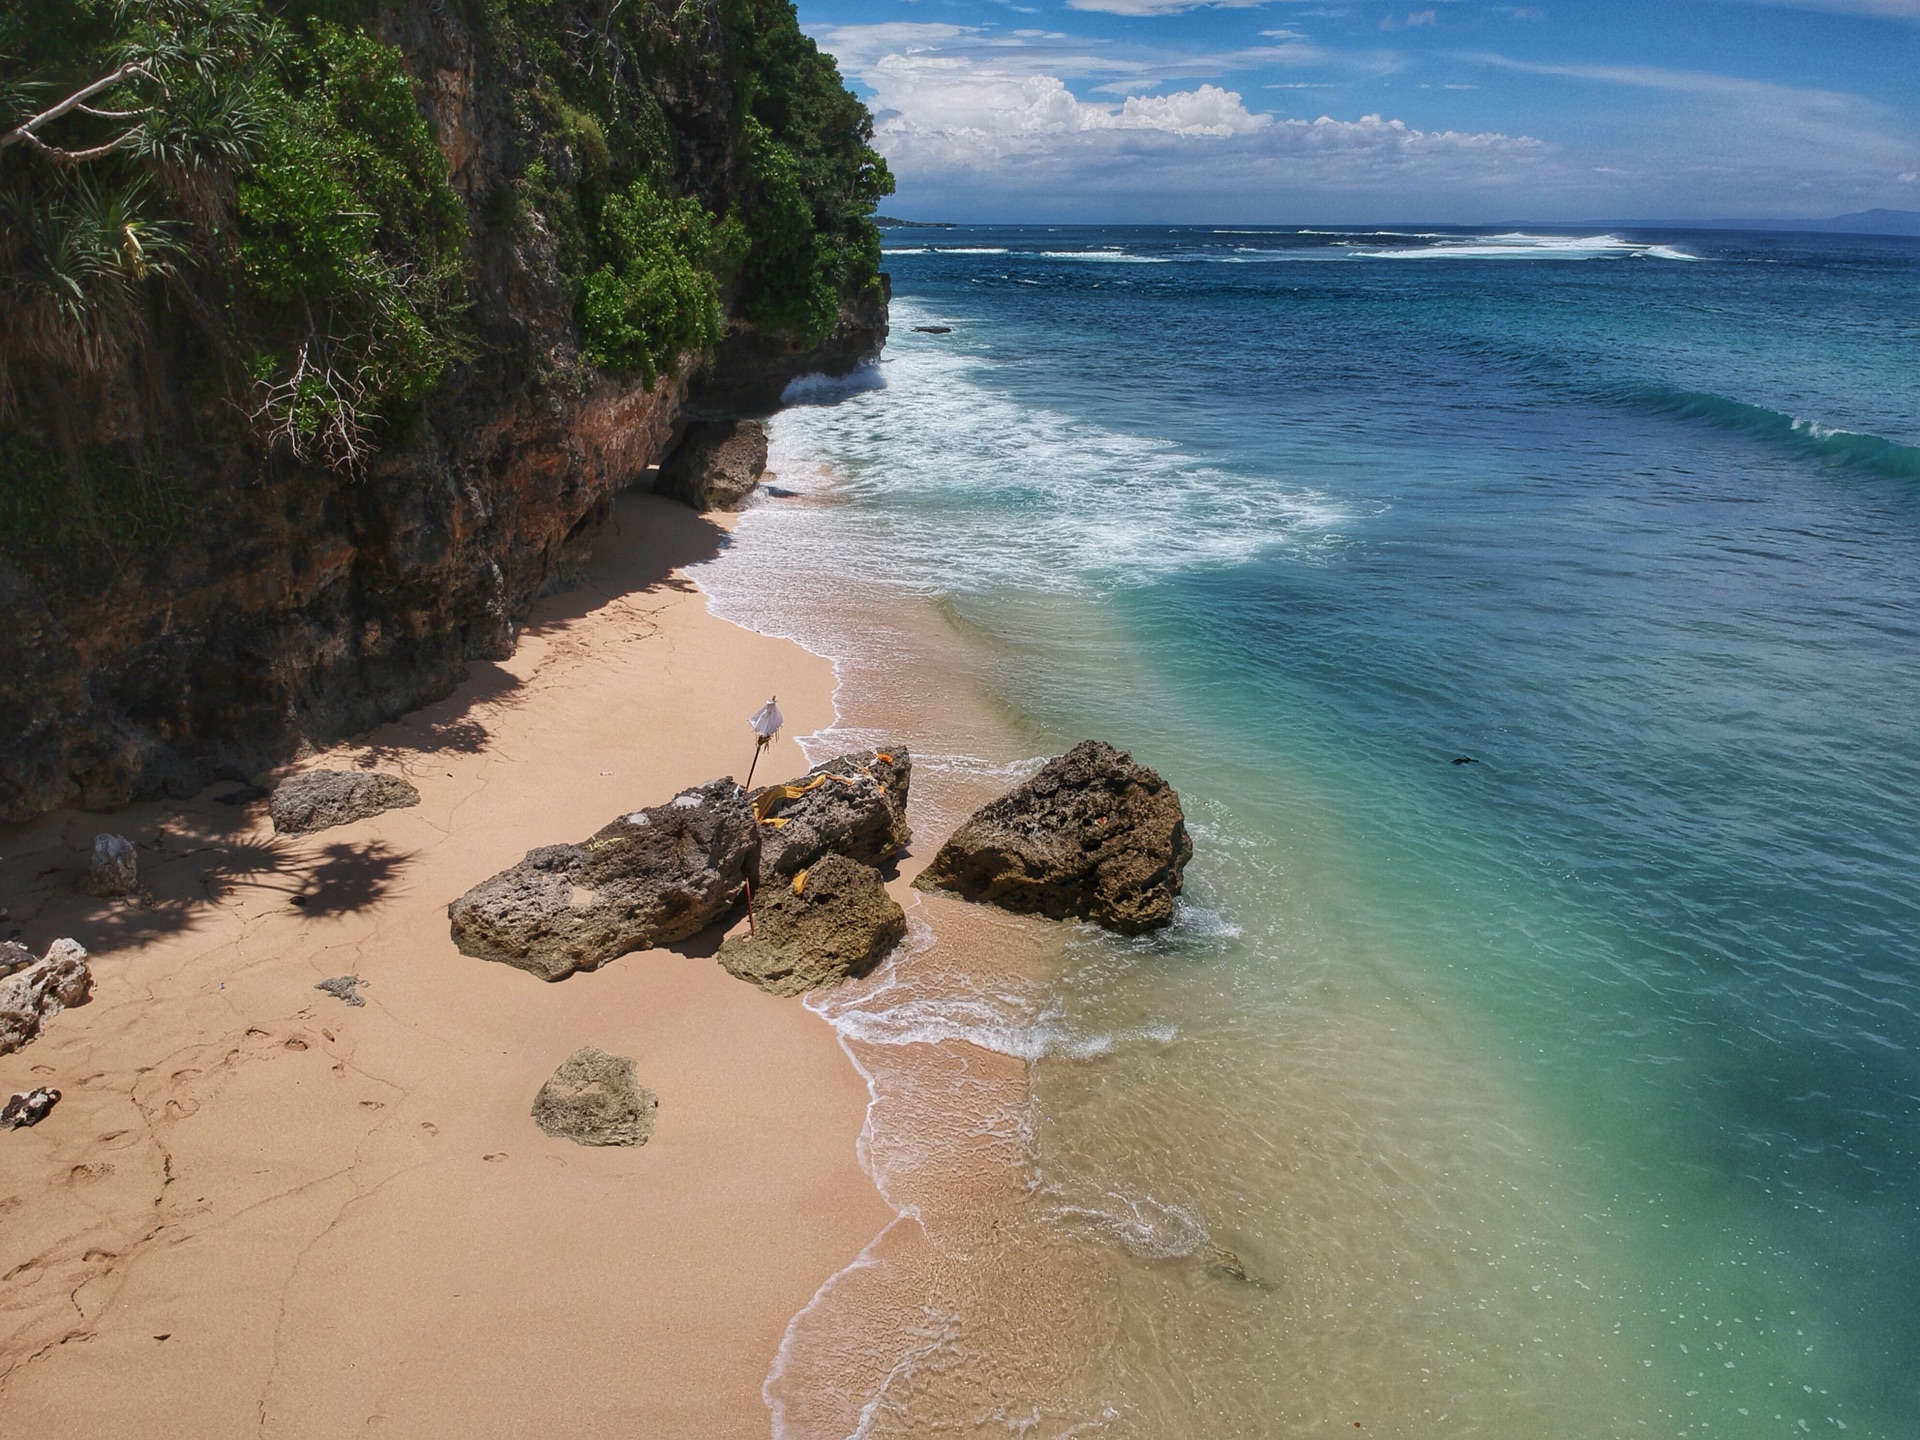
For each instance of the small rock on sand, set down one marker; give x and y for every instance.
(832, 921)
(343, 987)
(113, 868)
(595, 1099)
(321, 799)
(28, 1107)
(1093, 836)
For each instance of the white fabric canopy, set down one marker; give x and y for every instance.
(767, 720)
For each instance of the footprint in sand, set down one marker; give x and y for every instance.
(296, 1043)
(496, 1157)
(373, 1104)
(86, 1174)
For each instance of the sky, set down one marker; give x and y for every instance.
(1297, 111)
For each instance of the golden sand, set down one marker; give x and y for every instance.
(260, 1211)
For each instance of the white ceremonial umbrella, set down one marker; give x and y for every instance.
(766, 724)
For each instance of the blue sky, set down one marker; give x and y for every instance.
(1438, 110)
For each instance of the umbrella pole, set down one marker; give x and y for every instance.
(749, 885)
(758, 746)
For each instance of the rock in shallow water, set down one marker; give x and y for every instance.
(321, 799)
(839, 922)
(56, 981)
(1093, 836)
(854, 805)
(648, 878)
(595, 1099)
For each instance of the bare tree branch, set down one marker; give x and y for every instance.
(24, 131)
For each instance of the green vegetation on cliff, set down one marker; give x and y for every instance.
(232, 223)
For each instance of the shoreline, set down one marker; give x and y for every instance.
(345, 1217)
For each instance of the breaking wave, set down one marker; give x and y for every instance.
(1521, 246)
(1873, 454)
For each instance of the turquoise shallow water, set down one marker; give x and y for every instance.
(1626, 1011)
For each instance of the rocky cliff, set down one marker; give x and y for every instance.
(297, 602)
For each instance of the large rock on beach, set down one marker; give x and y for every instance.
(716, 464)
(1093, 836)
(595, 1099)
(853, 805)
(113, 868)
(56, 981)
(831, 921)
(648, 878)
(321, 799)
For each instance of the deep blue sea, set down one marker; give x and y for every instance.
(1573, 1090)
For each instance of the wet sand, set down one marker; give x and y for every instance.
(260, 1211)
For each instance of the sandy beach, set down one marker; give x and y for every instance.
(260, 1211)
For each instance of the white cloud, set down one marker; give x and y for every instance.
(945, 109)
(859, 48)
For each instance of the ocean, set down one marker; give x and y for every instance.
(1530, 623)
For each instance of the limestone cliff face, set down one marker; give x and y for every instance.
(306, 604)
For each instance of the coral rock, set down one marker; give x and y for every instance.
(649, 878)
(838, 922)
(594, 1099)
(716, 464)
(321, 799)
(853, 805)
(14, 956)
(1093, 836)
(114, 868)
(56, 981)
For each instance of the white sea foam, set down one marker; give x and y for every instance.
(1519, 245)
(1004, 1023)
(979, 490)
(818, 389)
(1139, 1224)
(1105, 257)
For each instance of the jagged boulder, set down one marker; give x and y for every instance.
(833, 920)
(716, 464)
(56, 981)
(595, 1099)
(321, 799)
(853, 805)
(648, 878)
(1093, 836)
(113, 868)
(14, 956)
